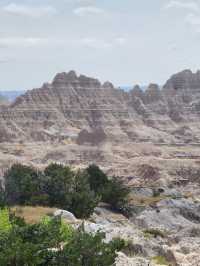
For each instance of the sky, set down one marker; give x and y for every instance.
(124, 41)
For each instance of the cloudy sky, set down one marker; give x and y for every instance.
(124, 41)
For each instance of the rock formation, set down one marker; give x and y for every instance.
(99, 121)
(84, 103)
(149, 138)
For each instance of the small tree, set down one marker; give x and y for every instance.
(89, 250)
(25, 244)
(115, 193)
(21, 184)
(58, 184)
(52, 242)
(111, 191)
(2, 196)
(84, 200)
(97, 178)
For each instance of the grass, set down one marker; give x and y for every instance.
(154, 233)
(188, 195)
(160, 260)
(5, 224)
(145, 201)
(32, 214)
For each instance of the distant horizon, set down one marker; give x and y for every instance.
(124, 87)
(78, 74)
(127, 42)
(101, 80)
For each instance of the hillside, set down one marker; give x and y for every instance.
(81, 120)
(148, 139)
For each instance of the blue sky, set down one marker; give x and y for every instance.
(124, 41)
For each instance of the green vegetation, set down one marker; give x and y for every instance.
(154, 233)
(52, 242)
(146, 201)
(111, 191)
(116, 195)
(59, 186)
(87, 250)
(160, 260)
(22, 185)
(5, 223)
(83, 200)
(28, 240)
(2, 197)
(32, 214)
(97, 178)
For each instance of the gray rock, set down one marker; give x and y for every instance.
(65, 215)
(171, 215)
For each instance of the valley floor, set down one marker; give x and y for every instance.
(165, 227)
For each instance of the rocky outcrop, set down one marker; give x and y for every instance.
(96, 137)
(85, 104)
(184, 80)
(148, 138)
(153, 237)
(83, 112)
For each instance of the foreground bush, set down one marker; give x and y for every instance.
(87, 250)
(51, 242)
(59, 186)
(97, 178)
(111, 190)
(2, 196)
(22, 184)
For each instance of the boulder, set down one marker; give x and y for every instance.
(65, 215)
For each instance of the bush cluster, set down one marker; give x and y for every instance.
(60, 186)
(52, 242)
(155, 233)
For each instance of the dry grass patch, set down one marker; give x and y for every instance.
(160, 260)
(32, 214)
(145, 201)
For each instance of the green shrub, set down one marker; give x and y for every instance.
(156, 192)
(89, 250)
(51, 242)
(97, 178)
(83, 200)
(155, 233)
(160, 260)
(22, 184)
(70, 190)
(61, 187)
(115, 193)
(58, 185)
(111, 191)
(5, 224)
(2, 197)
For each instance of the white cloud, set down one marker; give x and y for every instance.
(91, 42)
(192, 15)
(22, 42)
(193, 19)
(88, 10)
(103, 44)
(188, 5)
(121, 40)
(85, 1)
(5, 60)
(96, 43)
(30, 11)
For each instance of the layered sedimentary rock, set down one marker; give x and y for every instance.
(97, 122)
(71, 103)
(150, 139)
